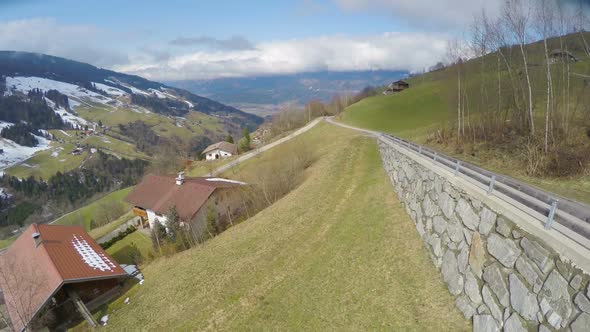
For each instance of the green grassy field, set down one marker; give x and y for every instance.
(58, 158)
(99, 232)
(410, 113)
(428, 105)
(120, 250)
(194, 125)
(337, 253)
(84, 215)
(46, 163)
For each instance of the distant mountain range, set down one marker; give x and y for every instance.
(299, 88)
(156, 96)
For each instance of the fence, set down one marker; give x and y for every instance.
(568, 217)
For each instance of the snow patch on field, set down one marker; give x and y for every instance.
(135, 90)
(110, 90)
(71, 118)
(4, 124)
(26, 84)
(56, 151)
(157, 93)
(4, 194)
(14, 153)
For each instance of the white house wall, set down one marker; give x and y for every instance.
(221, 153)
(152, 216)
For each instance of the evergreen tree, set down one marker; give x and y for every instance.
(229, 139)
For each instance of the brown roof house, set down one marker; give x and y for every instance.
(558, 55)
(195, 199)
(397, 86)
(220, 150)
(53, 274)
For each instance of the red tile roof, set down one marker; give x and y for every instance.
(30, 275)
(160, 193)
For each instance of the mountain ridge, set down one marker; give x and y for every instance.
(16, 63)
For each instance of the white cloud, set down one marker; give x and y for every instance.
(46, 35)
(391, 51)
(431, 13)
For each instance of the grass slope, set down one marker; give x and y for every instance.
(430, 104)
(120, 250)
(337, 253)
(410, 113)
(84, 215)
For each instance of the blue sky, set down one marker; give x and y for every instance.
(264, 20)
(183, 40)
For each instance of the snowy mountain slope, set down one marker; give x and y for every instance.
(13, 153)
(77, 74)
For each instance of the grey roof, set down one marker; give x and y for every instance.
(225, 146)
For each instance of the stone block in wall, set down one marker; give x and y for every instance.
(576, 282)
(582, 302)
(522, 300)
(504, 250)
(531, 273)
(450, 272)
(465, 306)
(582, 323)
(514, 324)
(439, 224)
(477, 255)
(488, 221)
(472, 289)
(447, 204)
(494, 278)
(556, 303)
(485, 323)
(503, 227)
(537, 254)
(467, 215)
(490, 302)
(455, 230)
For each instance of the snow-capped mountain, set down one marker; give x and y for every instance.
(83, 82)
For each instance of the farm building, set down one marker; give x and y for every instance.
(220, 150)
(559, 55)
(53, 274)
(195, 199)
(397, 86)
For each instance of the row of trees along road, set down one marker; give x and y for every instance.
(523, 80)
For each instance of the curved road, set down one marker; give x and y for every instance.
(258, 151)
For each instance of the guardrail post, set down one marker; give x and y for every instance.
(420, 149)
(435, 157)
(492, 184)
(551, 215)
(457, 166)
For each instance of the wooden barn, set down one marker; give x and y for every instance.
(397, 86)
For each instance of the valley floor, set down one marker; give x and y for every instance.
(337, 253)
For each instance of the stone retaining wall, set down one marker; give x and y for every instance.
(501, 276)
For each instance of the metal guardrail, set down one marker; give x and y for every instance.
(573, 215)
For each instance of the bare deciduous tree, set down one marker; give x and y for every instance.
(516, 14)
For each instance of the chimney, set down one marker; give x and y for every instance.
(37, 238)
(180, 179)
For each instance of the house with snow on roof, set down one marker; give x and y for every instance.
(54, 274)
(196, 199)
(220, 150)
